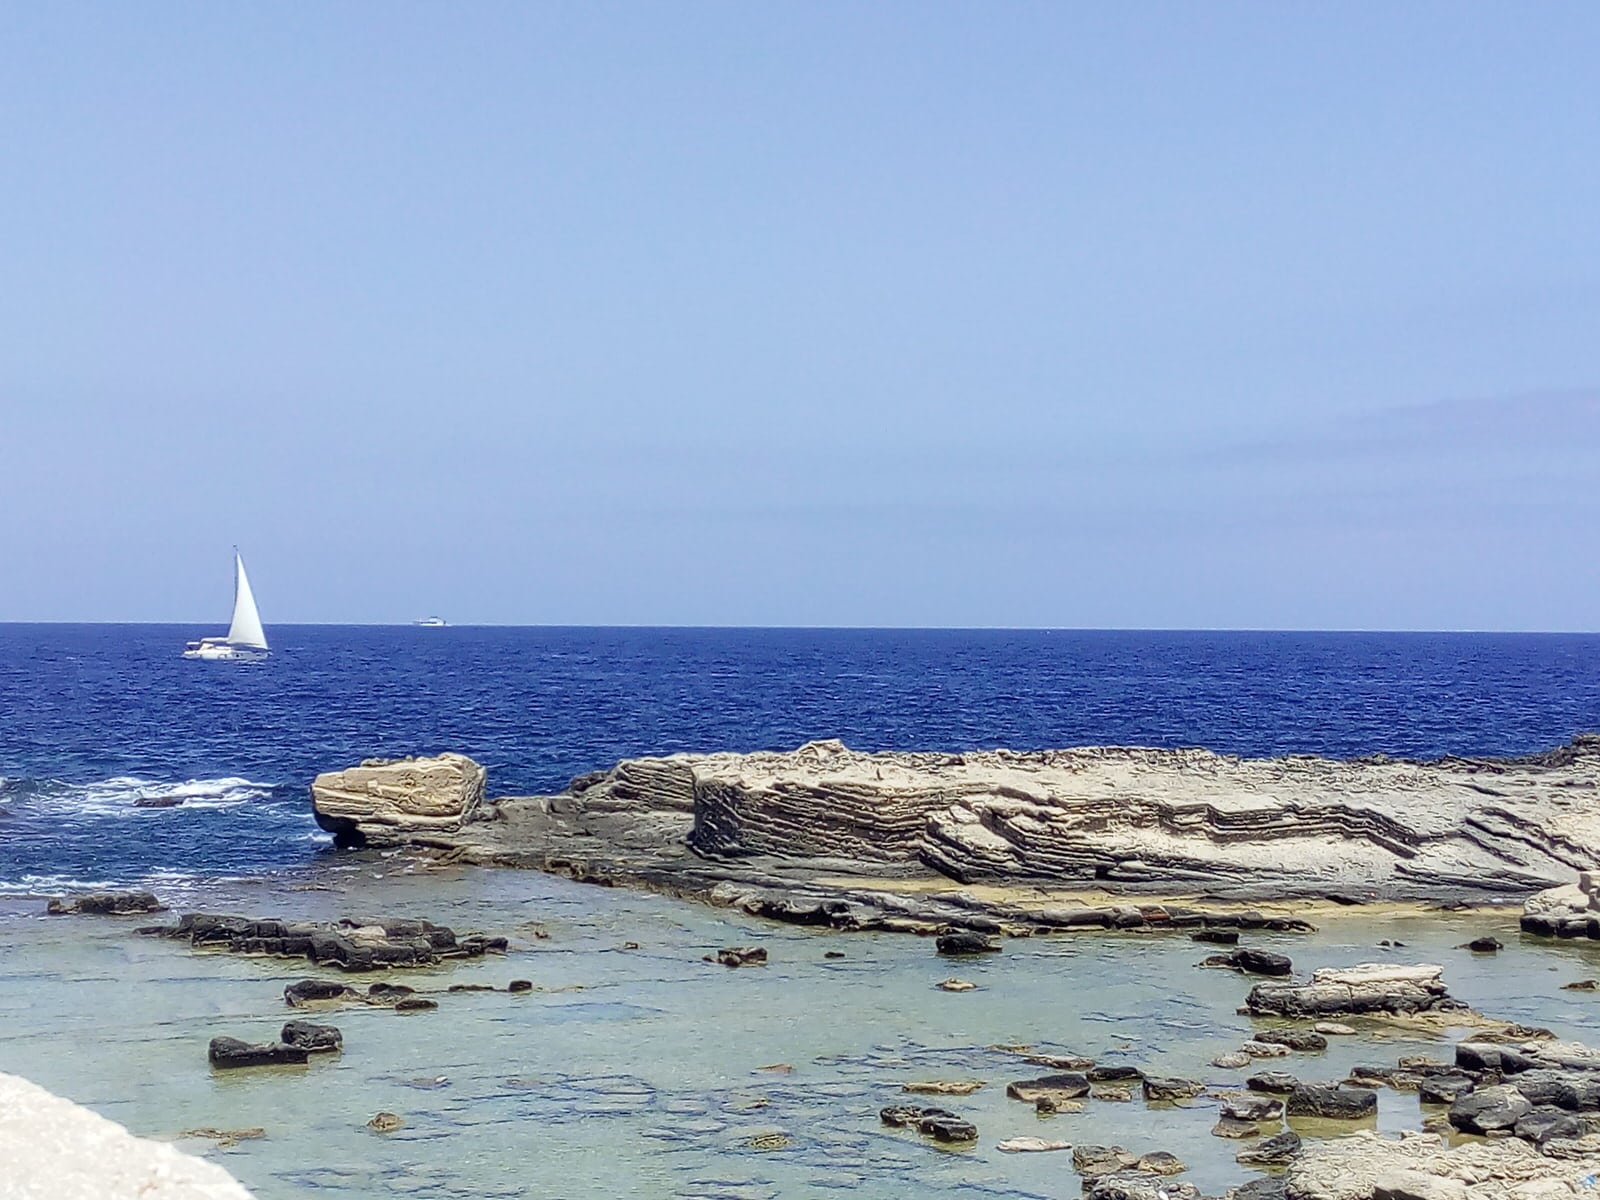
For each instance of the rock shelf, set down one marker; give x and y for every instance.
(829, 836)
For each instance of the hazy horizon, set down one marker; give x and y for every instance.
(829, 316)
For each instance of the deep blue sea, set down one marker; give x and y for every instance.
(94, 718)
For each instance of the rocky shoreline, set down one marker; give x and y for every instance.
(1054, 840)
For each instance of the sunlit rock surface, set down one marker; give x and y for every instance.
(53, 1149)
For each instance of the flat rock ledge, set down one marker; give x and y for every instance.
(884, 830)
(1421, 1166)
(53, 1149)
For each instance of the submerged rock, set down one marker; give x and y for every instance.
(306, 1035)
(1331, 1102)
(1250, 961)
(107, 904)
(1067, 1085)
(1274, 1151)
(966, 942)
(742, 956)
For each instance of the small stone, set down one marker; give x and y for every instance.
(956, 985)
(1093, 1161)
(520, 985)
(408, 1004)
(319, 1039)
(385, 1122)
(1582, 985)
(1159, 1162)
(1294, 1039)
(1216, 937)
(944, 1087)
(1482, 945)
(1160, 1089)
(1333, 1029)
(1331, 1102)
(782, 1069)
(227, 1053)
(1031, 1145)
(1111, 1093)
(1232, 1127)
(1252, 1108)
(1264, 1049)
(948, 1129)
(1232, 1061)
(742, 956)
(1068, 1085)
(1272, 1081)
(833, 954)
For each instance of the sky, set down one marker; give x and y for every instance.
(907, 314)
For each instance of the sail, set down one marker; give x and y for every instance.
(246, 628)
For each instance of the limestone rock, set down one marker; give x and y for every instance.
(393, 801)
(1297, 825)
(1422, 1166)
(53, 1149)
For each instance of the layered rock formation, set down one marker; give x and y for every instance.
(1173, 820)
(1423, 1166)
(384, 801)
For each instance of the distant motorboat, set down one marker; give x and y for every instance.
(430, 622)
(246, 640)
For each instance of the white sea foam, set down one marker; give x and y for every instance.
(120, 796)
(48, 885)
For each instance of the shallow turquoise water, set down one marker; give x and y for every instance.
(640, 1072)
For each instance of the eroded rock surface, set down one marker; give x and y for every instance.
(1293, 826)
(1364, 1166)
(396, 801)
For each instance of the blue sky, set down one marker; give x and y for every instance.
(895, 314)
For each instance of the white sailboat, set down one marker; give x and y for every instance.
(246, 640)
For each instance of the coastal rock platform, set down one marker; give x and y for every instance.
(809, 835)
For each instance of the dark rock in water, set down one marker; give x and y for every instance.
(1068, 1085)
(1274, 1151)
(1249, 960)
(1278, 1082)
(1260, 1189)
(1110, 1073)
(940, 1124)
(1160, 1162)
(742, 956)
(1253, 1108)
(1344, 898)
(833, 954)
(1488, 1056)
(1582, 985)
(472, 987)
(387, 993)
(1540, 1125)
(385, 1122)
(349, 944)
(901, 1115)
(107, 904)
(1217, 937)
(1575, 1091)
(1483, 945)
(414, 1004)
(1486, 1109)
(520, 985)
(1295, 1039)
(966, 942)
(227, 1052)
(947, 1129)
(313, 991)
(1160, 1088)
(1445, 1088)
(1331, 1101)
(307, 1035)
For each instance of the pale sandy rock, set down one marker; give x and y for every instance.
(1031, 1145)
(1423, 1166)
(402, 800)
(53, 1149)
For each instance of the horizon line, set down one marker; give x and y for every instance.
(847, 628)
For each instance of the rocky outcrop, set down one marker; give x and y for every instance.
(1368, 989)
(53, 1149)
(352, 944)
(1569, 911)
(1296, 826)
(397, 801)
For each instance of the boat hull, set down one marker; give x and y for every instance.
(222, 652)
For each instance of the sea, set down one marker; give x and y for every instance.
(634, 1066)
(122, 762)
